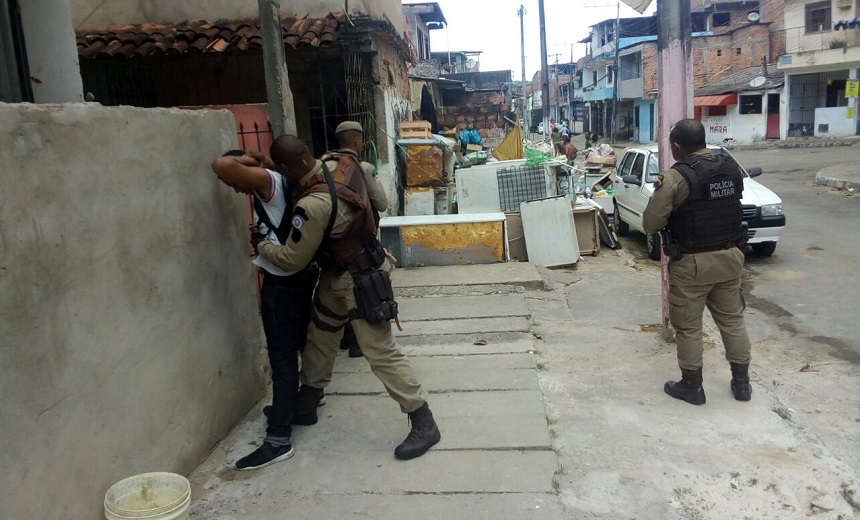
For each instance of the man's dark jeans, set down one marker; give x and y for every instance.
(285, 306)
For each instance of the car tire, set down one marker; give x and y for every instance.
(621, 227)
(652, 242)
(764, 248)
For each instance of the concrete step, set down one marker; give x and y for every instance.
(378, 506)
(462, 307)
(463, 326)
(426, 364)
(363, 471)
(521, 274)
(487, 373)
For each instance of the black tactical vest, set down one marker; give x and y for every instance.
(712, 216)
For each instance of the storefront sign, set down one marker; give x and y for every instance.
(852, 86)
(716, 128)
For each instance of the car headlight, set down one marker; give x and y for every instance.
(771, 210)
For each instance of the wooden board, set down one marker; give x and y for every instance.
(608, 160)
(424, 166)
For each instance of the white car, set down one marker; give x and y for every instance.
(634, 183)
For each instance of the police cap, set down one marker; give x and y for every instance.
(348, 125)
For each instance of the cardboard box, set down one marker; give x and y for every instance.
(585, 218)
(607, 161)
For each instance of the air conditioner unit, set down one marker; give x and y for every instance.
(844, 4)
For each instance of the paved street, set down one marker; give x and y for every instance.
(805, 295)
(808, 280)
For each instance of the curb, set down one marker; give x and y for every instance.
(790, 144)
(833, 182)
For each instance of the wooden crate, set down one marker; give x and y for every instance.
(415, 130)
(606, 161)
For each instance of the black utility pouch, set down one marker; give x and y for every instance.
(374, 296)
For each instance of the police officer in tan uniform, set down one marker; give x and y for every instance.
(698, 201)
(350, 140)
(339, 233)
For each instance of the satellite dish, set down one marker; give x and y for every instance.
(758, 81)
(753, 16)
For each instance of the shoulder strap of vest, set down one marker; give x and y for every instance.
(688, 171)
(282, 229)
(333, 194)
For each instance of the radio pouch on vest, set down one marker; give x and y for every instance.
(374, 296)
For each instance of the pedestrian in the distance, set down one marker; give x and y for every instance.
(698, 201)
(285, 297)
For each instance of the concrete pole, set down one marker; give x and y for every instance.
(544, 71)
(282, 112)
(526, 115)
(675, 100)
(615, 73)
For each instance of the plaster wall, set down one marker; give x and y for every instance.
(52, 56)
(837, 121)
(99, 13)
(798, 40)
(130, 333)
(742, 128)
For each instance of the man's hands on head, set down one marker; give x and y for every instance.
(261, 159)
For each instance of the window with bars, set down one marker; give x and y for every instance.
(818, 17)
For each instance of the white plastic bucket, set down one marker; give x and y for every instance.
(153, 496)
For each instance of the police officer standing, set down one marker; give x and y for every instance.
(698, 201)
(350, 141)
(333, 223)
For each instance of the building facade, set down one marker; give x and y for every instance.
(821, 65)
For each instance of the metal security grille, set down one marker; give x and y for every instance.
(359, 98)
(520, 184)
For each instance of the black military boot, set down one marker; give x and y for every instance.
(741, 381)
(689, 388)
(306, 405)
(423, 435)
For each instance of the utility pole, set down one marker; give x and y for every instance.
(615, 74)
(571, 99)
(526, 115)
(675, 99)
(282, 111)
(544, 70)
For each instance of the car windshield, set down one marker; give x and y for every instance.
(652, 163)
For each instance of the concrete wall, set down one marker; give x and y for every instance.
(52, 55)
(98, 13)
(130, 334)
(798, 40)
(839, 124)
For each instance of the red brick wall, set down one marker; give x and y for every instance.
(715, 57)
(485, 110)
(649, 68)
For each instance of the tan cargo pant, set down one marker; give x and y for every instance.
(712, 280)
(333, 300)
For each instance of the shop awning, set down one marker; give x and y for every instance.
(715, 101)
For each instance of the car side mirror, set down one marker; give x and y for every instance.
(631, 179)
(754, 172)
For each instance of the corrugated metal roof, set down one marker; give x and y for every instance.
(740, 81)
(196, 37)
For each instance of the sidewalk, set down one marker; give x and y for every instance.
(843, 176)
(561, 414)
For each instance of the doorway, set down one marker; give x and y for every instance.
(772, 116)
